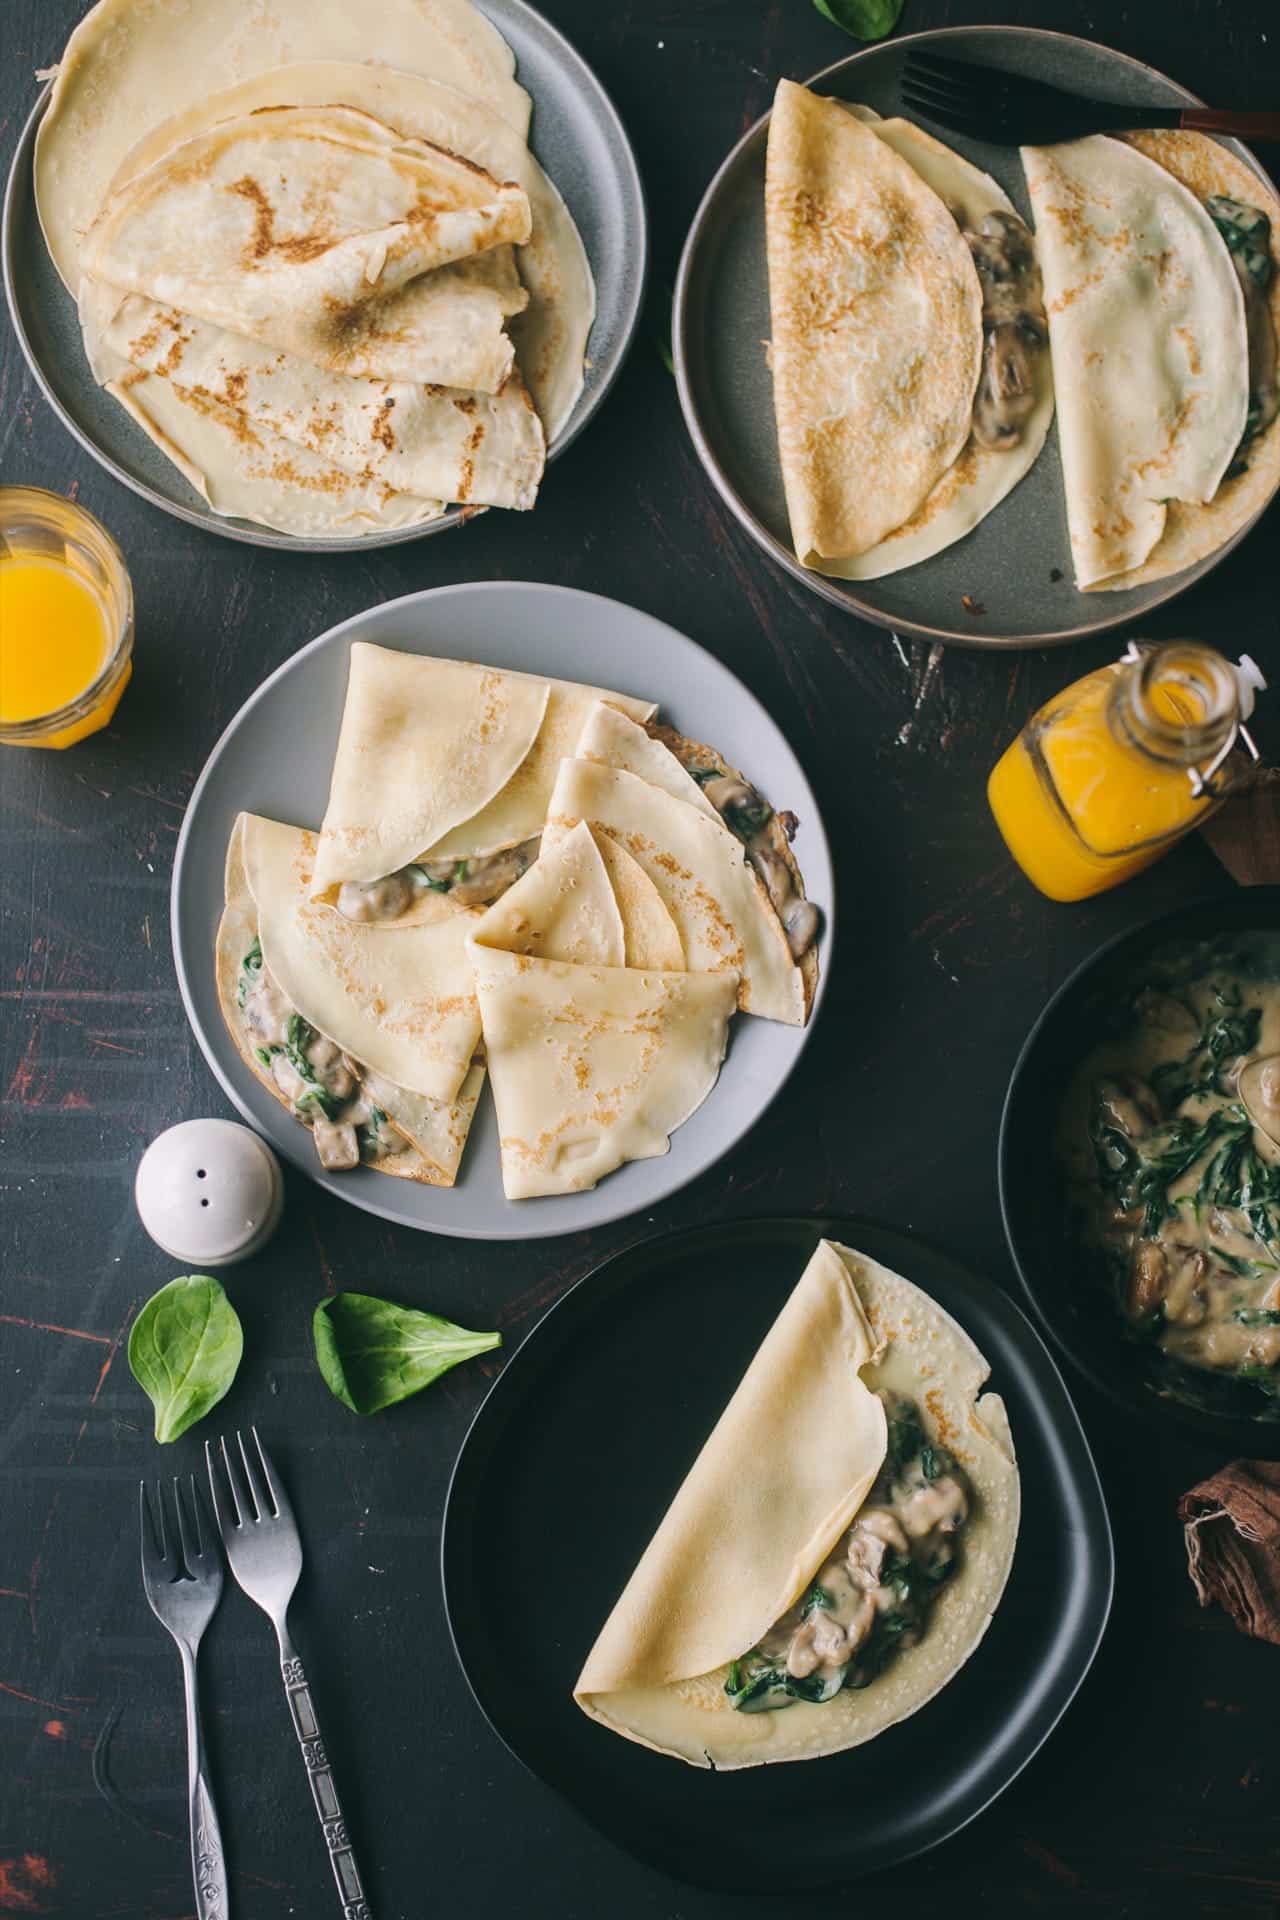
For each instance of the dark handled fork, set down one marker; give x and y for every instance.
(182, 1575)
(987, 103)
(261, 1539)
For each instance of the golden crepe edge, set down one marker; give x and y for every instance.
(912, 1346)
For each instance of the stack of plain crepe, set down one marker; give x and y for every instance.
(338, 295)
(597, 989)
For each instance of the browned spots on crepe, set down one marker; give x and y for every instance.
(264, 217)
(200, 398)
(467, 474)
(382, 430)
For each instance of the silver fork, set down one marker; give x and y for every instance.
(182, 1575)
(261, 1538)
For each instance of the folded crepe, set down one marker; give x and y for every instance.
(876, 328)
(1225, 185)
(432, 443)
(593, 1063)
(445, 761)
(383, 1064)
(1150, 351)
(131, 64)
(243, 468)
(785, 1472)
(285, 224)
(551, 313)
(1016, 388)
(717, 901)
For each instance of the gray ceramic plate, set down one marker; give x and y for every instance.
(275, 759)
(721, 321)
(579, 140)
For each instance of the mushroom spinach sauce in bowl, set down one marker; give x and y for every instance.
(1140, 1168)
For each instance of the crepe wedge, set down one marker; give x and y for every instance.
(431, 443)
(285, 224)
(592, 1062)
(717, 901)
(443, 762)
(804, 1448)
(370, 1040)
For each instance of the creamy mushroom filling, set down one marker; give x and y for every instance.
(748, 815)
(321, 1082)
(1178, 1189)
(1014, 327)
(873, 1595)
(1247, 232)
(474, 882)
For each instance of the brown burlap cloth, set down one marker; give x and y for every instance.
(1232, 1526)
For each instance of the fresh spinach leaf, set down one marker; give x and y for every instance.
(864, 19)
(817, 1597)
(1257, 1316)
(184, 1349)
(372, 1353)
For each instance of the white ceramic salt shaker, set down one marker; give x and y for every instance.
(210, 1192)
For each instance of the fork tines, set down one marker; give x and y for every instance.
(246, 1492)
(164, 1545)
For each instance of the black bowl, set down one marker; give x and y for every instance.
(1054, 1268)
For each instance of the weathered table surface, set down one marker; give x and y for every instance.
(1159, 1791)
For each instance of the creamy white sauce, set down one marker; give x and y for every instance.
(1177, 1188)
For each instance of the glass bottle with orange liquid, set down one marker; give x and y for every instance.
(66, 621)
(1108, 776)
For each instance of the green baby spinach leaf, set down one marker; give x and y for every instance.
(372, 1352)
(864, 19)
(184, 1349)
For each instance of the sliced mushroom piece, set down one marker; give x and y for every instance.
(1148, 1278)
(336, 1144)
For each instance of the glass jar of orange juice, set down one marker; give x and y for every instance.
(1112, 773)
(66, 620)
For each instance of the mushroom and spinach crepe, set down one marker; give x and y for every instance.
(370, 1040)
(838, 1548)
(441, 782)
(1159, 275)
(912, 385)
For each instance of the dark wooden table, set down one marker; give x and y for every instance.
(1160, 1793)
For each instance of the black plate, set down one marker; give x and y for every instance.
(1042, 1239)
(571, 1463)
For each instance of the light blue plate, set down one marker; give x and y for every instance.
(275, 759)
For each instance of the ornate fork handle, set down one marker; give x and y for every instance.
(323, 1791)
(208, 1864)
